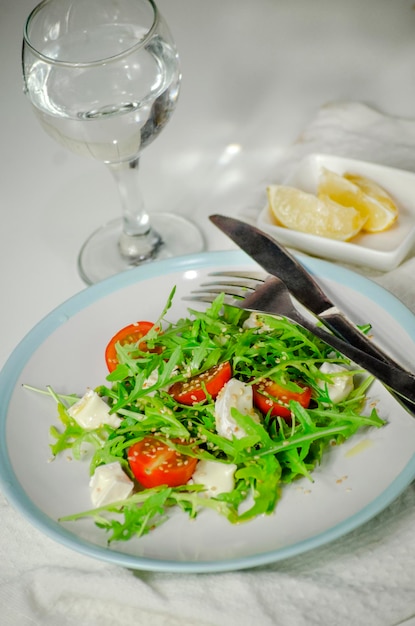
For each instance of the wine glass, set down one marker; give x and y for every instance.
(103, 77)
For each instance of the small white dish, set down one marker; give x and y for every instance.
(382, 251)
(354, 482)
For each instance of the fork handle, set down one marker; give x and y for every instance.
(396, 379)
(338, 323)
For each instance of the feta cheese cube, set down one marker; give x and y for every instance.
(109, 484)
(216, 477)
(238, 395)
(340, 386)
(91, 411)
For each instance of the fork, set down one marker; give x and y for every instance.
(272, 297)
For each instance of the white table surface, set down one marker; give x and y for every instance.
(255, 72)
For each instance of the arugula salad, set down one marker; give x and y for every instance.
(218, 410)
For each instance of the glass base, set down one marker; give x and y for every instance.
(100, 256)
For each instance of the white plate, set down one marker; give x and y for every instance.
(383, 251)
(65, 350)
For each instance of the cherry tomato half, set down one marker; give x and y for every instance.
(192, 390)
(277, 398)
(130, 334)
(154, 463)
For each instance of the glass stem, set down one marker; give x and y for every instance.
(138, 241)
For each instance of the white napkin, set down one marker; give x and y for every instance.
(357, 131)
(366, 578)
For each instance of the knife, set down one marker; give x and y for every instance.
(276, 260)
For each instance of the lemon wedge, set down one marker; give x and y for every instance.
(354, 190)
(306, 213)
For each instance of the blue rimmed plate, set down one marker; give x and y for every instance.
(65, 350)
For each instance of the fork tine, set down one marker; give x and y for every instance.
(210, 297)
(236, 287)
(233, 282)
(257, 276)
(230, 290)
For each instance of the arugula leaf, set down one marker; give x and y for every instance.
(263, 476)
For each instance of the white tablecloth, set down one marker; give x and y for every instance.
(367, 577)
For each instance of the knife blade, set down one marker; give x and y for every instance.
(277, 261)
